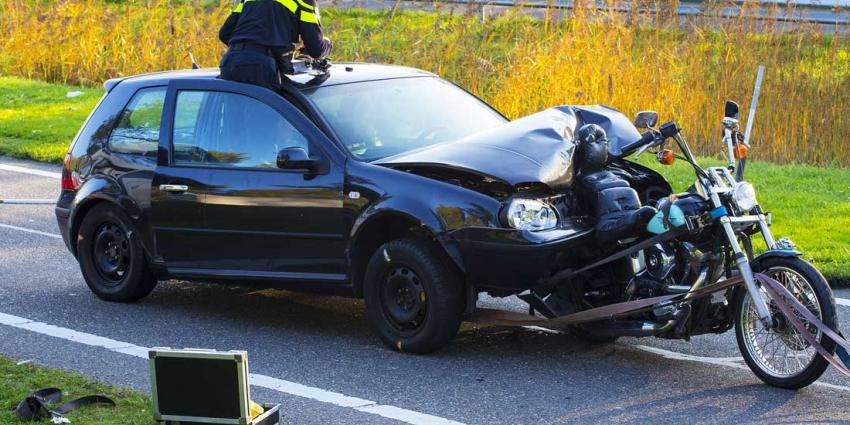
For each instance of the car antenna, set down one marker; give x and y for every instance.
(192, 58)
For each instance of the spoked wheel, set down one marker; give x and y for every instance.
(111, 259)
(414, 296)
(781, 356)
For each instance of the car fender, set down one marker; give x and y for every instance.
(437, 207)
(95, 190)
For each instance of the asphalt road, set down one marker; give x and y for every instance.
(318, 351)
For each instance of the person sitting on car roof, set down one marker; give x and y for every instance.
(261, 35)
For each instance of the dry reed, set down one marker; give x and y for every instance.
(683, 67)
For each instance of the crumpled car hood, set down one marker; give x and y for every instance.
(534, 149)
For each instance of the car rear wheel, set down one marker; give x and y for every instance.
(111, 256)
(414, 296)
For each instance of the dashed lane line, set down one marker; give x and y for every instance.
(31, 171)
(28, 201)
(258, 380)
(24, 229)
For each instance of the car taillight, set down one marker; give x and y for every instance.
(68, 180)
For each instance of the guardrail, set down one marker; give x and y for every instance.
(826, 12)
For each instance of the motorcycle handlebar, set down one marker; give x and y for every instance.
(645, 139)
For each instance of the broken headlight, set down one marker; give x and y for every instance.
(530, 214)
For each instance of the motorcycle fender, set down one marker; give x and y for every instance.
(756, 263)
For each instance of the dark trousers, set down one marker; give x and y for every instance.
(251, 67)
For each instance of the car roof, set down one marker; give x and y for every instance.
(339, 73)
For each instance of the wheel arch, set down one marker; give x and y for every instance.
(380, 228)
(98, 191)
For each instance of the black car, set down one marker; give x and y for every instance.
(381, 182)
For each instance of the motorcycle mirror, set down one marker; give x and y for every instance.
(731, 110)
(646, 119)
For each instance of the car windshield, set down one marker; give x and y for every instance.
(376, 119)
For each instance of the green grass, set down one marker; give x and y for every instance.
(17, 381)
(811, 205)
(38, 121)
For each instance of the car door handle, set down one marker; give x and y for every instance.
(173, 188)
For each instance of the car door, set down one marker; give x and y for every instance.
(258, 220)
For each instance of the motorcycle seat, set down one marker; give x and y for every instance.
(620, 225)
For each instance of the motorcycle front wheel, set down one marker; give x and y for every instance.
(781, 357)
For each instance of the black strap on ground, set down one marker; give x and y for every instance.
(35, 406)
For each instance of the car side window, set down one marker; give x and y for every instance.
(137, 130)
(229, 129)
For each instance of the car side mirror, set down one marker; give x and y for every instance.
(646, 119)
(296, 158)
(731, 110)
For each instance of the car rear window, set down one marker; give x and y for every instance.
(137, 130)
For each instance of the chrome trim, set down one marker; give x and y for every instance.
(175, 188)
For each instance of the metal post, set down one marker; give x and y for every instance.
(753, 105)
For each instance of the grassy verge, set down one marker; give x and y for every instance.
(17, 381)
(811, 205)
(38, 120)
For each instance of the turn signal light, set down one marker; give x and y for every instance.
(68, 180)
(666, 157)
(740, 151)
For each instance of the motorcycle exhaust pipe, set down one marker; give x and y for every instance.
(630, 328)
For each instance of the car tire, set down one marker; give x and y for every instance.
(414, 296)
(111, 257)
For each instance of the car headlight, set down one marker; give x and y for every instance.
(745, 196)
(531, 214)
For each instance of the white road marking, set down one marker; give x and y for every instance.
(734, 362)
(24, 229)
(28, 201)
(842, 301)
(263, 381)
(32, 171)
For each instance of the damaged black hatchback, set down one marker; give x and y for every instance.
(382, 182)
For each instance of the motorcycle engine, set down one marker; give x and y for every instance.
(660, 261)
(667, 268)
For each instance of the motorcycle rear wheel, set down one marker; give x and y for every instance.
(780, 356)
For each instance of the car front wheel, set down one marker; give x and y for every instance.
(111, 256)
(414, 296)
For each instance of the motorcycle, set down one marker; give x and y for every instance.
(694, 269)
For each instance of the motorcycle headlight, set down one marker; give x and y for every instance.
(745, 196)
(531, 214)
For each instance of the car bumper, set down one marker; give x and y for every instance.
(513, 259)
(63, 219)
